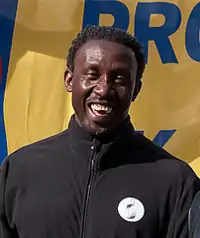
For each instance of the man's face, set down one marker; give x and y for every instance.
(102, 85)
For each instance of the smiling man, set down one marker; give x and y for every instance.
(99, 178)
(102, 83)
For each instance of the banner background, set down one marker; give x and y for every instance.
(7, 18)
(36, 104)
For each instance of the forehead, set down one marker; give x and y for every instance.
(102, 51)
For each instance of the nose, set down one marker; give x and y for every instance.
(104, 87)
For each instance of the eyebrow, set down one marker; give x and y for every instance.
(91, 65)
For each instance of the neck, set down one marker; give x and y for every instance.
(107, 135)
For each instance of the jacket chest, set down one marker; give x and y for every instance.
(89, 203)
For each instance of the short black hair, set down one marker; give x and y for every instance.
(112, 34)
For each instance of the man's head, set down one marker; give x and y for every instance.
(104, 71)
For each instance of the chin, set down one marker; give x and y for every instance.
(99, 131)
(94, 129)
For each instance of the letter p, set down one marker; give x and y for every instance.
(93, 9)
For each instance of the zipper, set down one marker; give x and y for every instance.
(89, 186)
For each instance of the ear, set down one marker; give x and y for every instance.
(137, 89)
(68, 80)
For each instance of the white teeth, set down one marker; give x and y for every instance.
(99, 107)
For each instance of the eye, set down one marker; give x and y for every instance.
(92, 75)
(120, 79)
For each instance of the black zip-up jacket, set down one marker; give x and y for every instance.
(74, 186)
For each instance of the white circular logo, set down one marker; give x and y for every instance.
(131, 209)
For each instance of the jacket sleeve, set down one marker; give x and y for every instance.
(179, 227)
(194, 218)
(5, 230)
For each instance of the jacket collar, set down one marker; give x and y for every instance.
(112, 150)
(78, 133)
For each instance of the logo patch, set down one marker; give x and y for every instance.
(131, 209)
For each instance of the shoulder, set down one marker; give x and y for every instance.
(34, 160)
(37, 151)
(167, 164)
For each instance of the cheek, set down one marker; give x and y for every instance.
(80, 90)
(124, 94)
(82, 84)
(77, 92)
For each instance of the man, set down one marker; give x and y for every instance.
(99, 178)
(194, 218)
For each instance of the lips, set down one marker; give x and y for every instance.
(100, 109)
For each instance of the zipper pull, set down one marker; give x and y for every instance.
(96, 146)
(95, 150)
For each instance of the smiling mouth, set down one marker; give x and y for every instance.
(100, 110)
